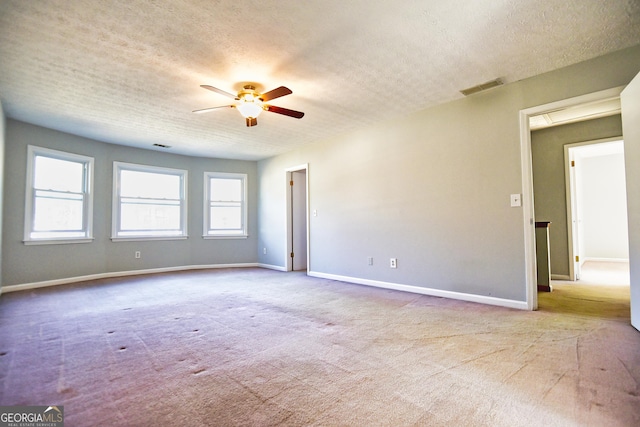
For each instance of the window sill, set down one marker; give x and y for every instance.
(219, 237)
(58, 241)
(149, 238)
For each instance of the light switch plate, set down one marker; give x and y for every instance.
(516, 200)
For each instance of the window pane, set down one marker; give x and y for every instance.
(60, 175)
(58, 196)
(226, 217)
(57, 214)
(149, 185)
(150, 201)
(144, 216)
(229, 190)
(226, 196)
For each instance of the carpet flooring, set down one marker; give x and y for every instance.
(254, 347)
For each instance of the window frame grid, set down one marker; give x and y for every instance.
(31, 195)
(119, 235)
(207, 231)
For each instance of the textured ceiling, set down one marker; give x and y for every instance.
(128, 72)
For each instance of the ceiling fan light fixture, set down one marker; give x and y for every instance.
(249, 106)
(249, 109)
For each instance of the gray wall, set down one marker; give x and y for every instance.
(34, 263)
(431, 189)
(547, 152)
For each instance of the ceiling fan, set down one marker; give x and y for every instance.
(251, 103)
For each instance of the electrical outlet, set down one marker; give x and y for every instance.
(393, 263)
(264, 251)
(370, 260)
(137, 254)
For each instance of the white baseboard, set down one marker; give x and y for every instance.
(560, 277)
(68, 280)
(585, 259)
(522, 305)
(375, 283)
(273, 267)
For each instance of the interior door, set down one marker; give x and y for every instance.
(630, 98)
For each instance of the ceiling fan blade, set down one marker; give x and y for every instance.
(285, 111)
(252, 121)
(206, 110)
(275, 93)
(220, 91)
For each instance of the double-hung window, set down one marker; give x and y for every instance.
(59, 203)
(225, 208)
(149, 202)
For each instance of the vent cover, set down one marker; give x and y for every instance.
(161, 146)
(481, 87)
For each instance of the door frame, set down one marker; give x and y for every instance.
(289, 218)
(528, 213)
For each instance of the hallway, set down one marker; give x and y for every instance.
(602, 291)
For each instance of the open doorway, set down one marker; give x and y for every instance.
(528, 119)
(527, 123)
(597, 211)
(297, 219)
(597, 224)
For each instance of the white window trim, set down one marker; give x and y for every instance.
(207, 203)
(87, 220)
(115, 211)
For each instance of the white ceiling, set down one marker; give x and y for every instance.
(128, 72)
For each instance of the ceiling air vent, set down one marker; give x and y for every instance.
(480, 88)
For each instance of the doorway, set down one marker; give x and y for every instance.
(527, 178)
(596, 205)
(297, 218)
